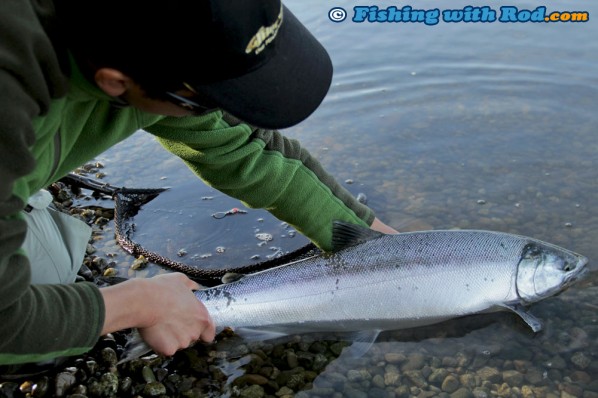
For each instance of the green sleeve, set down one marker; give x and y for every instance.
(41, 322)
(264, 169)
(37, 322)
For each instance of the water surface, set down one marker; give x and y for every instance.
(466, 125)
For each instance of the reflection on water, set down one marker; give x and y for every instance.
(465, 125)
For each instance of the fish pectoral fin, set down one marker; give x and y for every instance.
(345, 234)
(362, 342)
(528, 318)
(258, 335)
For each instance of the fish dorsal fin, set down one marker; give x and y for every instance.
(230, 277)
(345, 235)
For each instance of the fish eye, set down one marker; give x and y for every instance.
(568, 267)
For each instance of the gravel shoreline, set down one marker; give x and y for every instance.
(560, 366)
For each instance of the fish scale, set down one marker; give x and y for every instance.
(376, 282)
(389, 281)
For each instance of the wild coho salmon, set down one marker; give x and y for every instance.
(376, 282)
(384, 282)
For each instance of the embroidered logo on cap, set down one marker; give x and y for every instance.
(264, 36)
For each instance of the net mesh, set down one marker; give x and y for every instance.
(128, 203)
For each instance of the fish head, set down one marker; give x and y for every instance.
(545, 270)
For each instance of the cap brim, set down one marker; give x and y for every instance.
(283, 91)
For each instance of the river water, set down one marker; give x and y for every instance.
(455, 125)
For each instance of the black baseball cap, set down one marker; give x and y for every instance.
(252, 58)
(261, 64)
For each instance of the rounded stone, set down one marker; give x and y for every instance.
(450, 384)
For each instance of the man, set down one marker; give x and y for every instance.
(76, 77)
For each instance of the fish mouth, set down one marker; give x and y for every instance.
(581, 271)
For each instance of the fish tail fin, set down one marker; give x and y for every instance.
(135, 347)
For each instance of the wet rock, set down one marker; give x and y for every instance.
(449, 362)
(357, 376)
(41, 387)
(109, 357)
(378, 381)
(250, 379)
(462, 393)
(582, 377)
(580, 360)
(139, 263)
(394, 357)
(557, 362)
(481, 392)
(392, 376)
(317, 347)
(319, 363)
(402, 392)
(468, 380)
(254, 391)
(350, 392)
(490, 374)
(414, 361)
(148, 374)
(125, 385)
(416, 378)
(294, 379)
(527, 392)
(572, 389)
(292, 359)
(154, 389)
(284, 391)
(450, 384)
(26, 387)
(437, 376)
(64, 381)
(504, 390)
(534, 376)
(512, 378)
(337, 347)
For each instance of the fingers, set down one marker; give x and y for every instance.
(180, 319)
(209, 333)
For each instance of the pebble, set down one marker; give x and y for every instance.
(450, 384)
(462, 393)
(393, 357)
(139, 263)
(512, 378)
(414, 361)
(154, 389)
(63, 382)
(580, 360)
(440, 366)
(490, 374)
(254, 391)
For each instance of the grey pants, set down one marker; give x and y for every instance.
(55, 242)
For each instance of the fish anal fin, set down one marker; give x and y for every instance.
(345, 234)
(250, 334)
(362, 342)
(534, 323)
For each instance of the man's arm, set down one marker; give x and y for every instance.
(266, 170)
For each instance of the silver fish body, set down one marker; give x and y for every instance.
(396, 281)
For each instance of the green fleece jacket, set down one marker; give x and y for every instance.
(53, 120)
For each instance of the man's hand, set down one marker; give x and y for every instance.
(164, 309)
